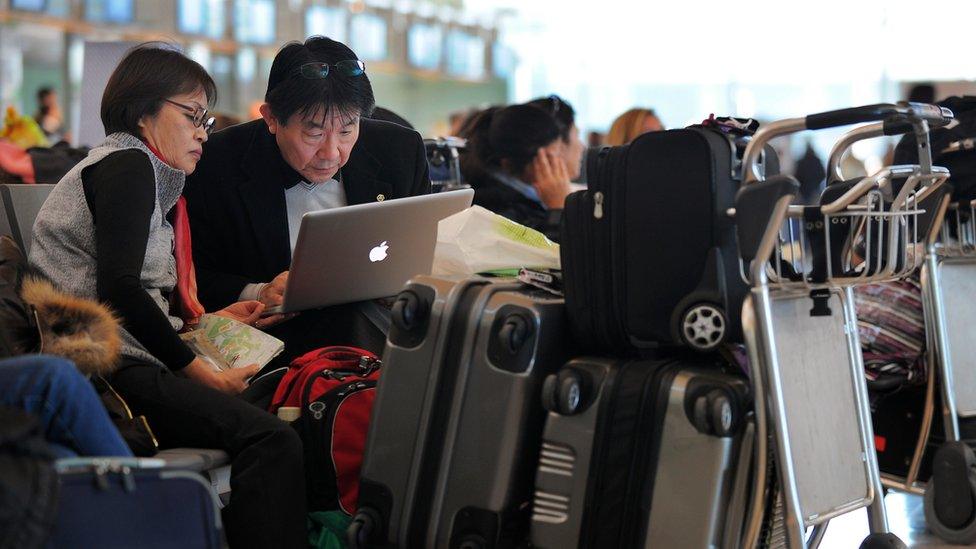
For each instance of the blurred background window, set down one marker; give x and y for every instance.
(326, 21)
(109, 11)
(465, 54)
(202, 17)
(254, 21)
(424, 44)
(368, 37)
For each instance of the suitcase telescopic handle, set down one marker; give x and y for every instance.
(921, 116)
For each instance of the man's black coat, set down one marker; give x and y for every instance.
(236, 199)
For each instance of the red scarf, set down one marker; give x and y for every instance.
(184, 299)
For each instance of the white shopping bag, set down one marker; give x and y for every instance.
(477, 240)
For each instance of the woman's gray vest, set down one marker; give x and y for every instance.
(63, 246)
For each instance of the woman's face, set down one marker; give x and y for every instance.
(172, 133)
(570, 152)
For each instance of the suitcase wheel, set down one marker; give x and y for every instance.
(408, 311)
(703, 326)
(716, 413)
(950, 496)
(362, 527)
(562, 393)
(514, 333)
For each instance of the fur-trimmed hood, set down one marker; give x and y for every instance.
(36, 317)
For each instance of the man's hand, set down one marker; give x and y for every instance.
(551, 179)
(231, 381)
(247, 312)
(271, 296)
(273, 292)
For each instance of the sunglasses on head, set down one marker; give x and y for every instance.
(349, 67)
(555, 102)
(198, 117)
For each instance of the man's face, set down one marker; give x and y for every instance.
(316, 146)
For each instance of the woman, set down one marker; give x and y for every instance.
(49, 116)
(632, 123)
(517, 165)
(105, 233)
(573, 149)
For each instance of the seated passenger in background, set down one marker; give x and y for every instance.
(629, 125)
(516, 164)
(105, 233)
(313, 149)
(562, 111)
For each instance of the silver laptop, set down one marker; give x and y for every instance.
(366, 251)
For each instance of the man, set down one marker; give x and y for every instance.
(311, 150)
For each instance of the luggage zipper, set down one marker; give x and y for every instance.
(598, 205)
(343, 357)
(655, 396)
(604, 266)
(580, 271)
(101, 470)
(367, 364)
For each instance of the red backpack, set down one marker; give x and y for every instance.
(334, 388)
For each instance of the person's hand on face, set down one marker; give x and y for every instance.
(315, 145)
(172, 131)
(550, 178)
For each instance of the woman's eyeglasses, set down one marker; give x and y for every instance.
(198, 117)
(316, 70)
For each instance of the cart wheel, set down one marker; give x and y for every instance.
(703, 326)
(950, 496)
(883, 541)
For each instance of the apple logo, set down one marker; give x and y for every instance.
(378, 253)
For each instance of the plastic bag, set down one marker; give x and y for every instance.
(477, 240)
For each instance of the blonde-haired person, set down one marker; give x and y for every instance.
(632, 123)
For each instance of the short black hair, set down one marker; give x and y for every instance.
(289, 93)
(44, 92)
(149, 74)
(560, 109)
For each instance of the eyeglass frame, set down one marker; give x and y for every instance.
(300, 70)
(199, 116)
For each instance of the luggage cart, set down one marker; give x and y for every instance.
(948, 269)
(801, 329)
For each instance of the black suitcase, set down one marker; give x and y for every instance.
(454, 433)
(133, 502)
(648, 250)
(642, 454)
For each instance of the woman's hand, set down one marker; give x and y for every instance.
(247, 312)
(551, 179)
(231, 381)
